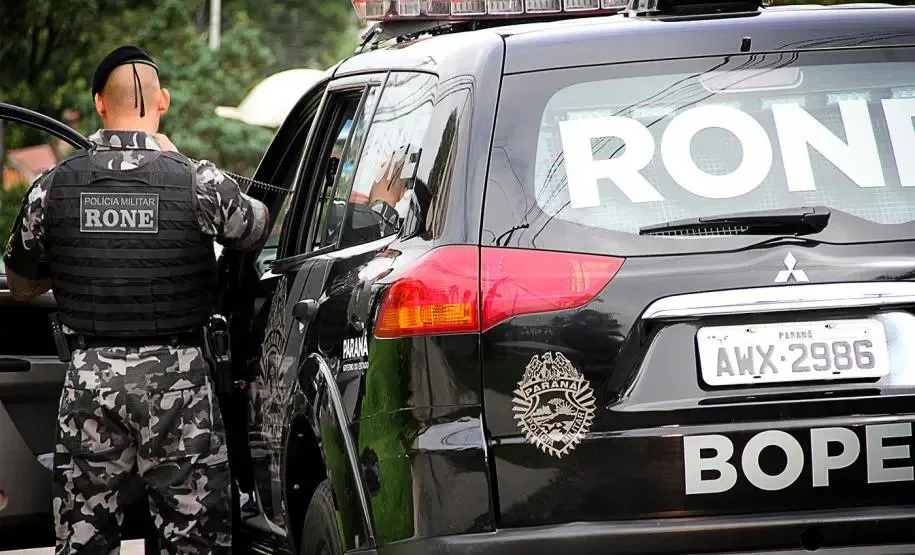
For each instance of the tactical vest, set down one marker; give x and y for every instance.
(125, 250)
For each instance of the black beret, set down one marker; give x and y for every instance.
(119, 56)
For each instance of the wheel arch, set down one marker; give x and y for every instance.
(304, 471)
(316, 410)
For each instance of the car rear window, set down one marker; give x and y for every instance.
(631, 145)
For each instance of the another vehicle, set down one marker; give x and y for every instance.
(589, 282)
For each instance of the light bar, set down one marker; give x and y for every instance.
(467, 10)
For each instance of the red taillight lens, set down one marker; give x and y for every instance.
(440, 293)
(515, 282)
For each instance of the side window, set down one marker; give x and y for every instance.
(287, 170)
(336, 168)
(335, 211)
(325, 165)
(382, 184)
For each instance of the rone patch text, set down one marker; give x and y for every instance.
(119, 213)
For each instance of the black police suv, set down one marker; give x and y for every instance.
(570, 276)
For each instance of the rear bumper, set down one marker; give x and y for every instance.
(888, 531)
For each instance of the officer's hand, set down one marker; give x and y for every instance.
(391, 185)
(166, 143)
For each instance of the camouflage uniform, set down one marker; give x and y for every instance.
(149, 410)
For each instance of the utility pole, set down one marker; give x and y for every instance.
(215, 16)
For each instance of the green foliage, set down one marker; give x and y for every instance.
(43, 54)
(304, 33)
(198, 80)
(49, 67)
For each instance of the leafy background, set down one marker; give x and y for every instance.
(49, 50)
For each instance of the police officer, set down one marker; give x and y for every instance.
(123, 233)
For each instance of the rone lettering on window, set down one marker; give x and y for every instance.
(119, 213)
(797, 132)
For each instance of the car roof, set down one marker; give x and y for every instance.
(576, 42)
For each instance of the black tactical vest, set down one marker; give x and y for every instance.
(125, 250)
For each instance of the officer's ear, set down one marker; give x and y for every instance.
(165, 100)
(100, 106)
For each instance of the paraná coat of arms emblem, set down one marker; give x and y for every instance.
(554, 404)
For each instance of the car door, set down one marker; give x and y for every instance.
(246, 285)
(325, 169)
(384, 178)
(355, 254)
(31, 378)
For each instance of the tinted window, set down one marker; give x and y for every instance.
(617, 148)
(286, 174)
(320, 170)
(381, 186)
(335, 210)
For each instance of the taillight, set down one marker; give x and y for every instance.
(440, 293)
(437, 295)
(515, 282)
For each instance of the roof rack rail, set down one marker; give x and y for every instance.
(643, 8)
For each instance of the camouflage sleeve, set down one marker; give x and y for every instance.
(25, 253)
(236, 220)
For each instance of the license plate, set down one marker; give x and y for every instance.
(793, 352)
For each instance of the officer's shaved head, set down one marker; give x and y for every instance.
(126, 88)
(123, 89)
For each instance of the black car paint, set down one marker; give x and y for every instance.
(648, 397)
(454, 486)
(420, 432)
(456, 92)
(27, 419)
(761, 535)
(459, 495)
(622, 39)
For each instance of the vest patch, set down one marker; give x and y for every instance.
(119, 213)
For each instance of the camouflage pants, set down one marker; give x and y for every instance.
(149, 411)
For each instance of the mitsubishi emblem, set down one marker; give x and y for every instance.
(784, 276)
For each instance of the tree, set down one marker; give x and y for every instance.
(43, 54)
(49, 65)
(304, 33)
(50, 49)
(198, 79)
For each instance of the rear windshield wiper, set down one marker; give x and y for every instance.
(796, 221)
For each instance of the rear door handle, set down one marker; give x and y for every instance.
(14, 365)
